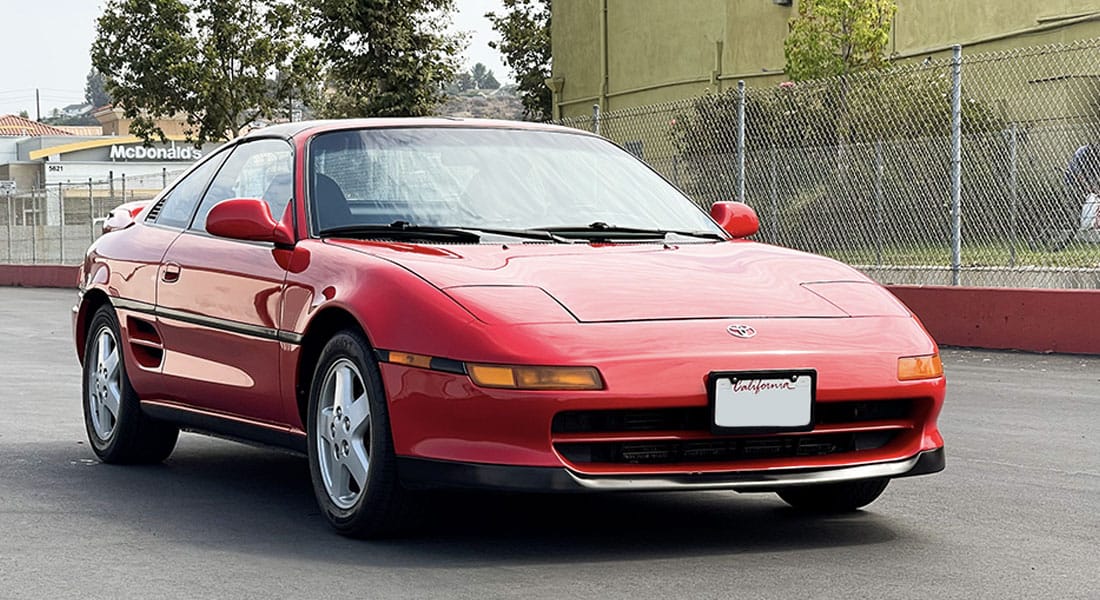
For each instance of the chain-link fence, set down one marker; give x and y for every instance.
(863, 168)
(55, 223)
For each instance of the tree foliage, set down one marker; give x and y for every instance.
(479, 77)
(837, 37)
(95, 89)
(483, 77)
(524, 30)
(220, 63)
(384, 57)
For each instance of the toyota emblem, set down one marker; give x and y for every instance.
(741, 331)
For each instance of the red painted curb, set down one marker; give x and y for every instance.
(1035, 320)
(63, 276)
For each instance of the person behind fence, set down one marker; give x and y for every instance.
(1083, 181)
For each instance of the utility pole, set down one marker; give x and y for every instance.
(37, 106)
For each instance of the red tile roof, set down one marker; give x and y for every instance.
(15, 126)
(81, 130)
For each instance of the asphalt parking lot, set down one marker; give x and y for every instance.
(1015, 515)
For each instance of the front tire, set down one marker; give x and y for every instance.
(351, 456)
(119, 432)
(848, 496)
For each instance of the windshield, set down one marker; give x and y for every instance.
(488, 178)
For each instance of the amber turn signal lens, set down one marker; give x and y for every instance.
(535, 378)
(920, 367)
(413, 360)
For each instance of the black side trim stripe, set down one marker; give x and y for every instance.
(216, 323)
(266, 333)
(134, 305)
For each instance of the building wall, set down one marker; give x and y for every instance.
(114, 122)
(657, 51)
(26, 175)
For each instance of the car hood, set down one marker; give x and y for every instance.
(635, 282)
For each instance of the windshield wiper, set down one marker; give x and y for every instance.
(406, 230)
(403, 230)
(597, 229)
(528, 234)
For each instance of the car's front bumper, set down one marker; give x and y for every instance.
(423, 474)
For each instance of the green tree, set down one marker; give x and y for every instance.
(524, 30)
(95, 89)
(836, 37)
(213, 61)
(384, 57)
(463, 82)
(483, 77)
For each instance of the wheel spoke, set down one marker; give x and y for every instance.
(103, 348)
(324, 425)
(341, 482)
(104, 417)
(342, 392)
(356, 465)
(111, 363)
(358, 414)
(112, 399)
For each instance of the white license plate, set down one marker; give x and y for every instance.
(763, 401)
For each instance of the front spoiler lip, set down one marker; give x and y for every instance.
(423, 473)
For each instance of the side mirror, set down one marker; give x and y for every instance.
(247, 219)
(123, 215)
(737, 218)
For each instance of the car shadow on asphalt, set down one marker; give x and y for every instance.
(242, 499)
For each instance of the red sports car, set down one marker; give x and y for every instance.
(447, 303)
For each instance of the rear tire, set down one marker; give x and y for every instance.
(119, 432)
(834, 497)
(351, 457)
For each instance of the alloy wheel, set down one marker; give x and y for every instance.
(343, 433)
(104, 384)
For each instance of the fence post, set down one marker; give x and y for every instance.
(956, 165)
(61, 231)
(596, 119)
(11, 217)
(741, 140)
(773, 191)
(34, 224)
(879, 209)
(1013, 167)
(91, 213)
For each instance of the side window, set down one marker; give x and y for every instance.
(177, 208)
(260, 169)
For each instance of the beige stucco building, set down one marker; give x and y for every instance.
(625, 53)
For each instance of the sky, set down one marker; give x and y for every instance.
(48, 50)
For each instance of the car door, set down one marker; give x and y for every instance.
(135, 265)
(219, 300)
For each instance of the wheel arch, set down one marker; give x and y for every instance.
(326, 323)
(93, 299)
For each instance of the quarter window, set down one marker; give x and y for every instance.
(177, 208)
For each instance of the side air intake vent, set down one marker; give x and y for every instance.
(153, 212)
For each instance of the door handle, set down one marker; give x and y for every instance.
(170, 273)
